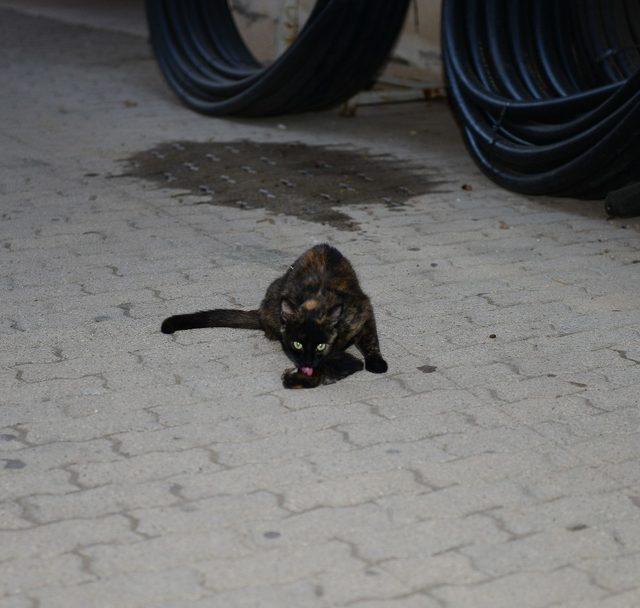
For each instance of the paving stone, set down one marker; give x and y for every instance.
(131, 589)
(532, 589)
(30, 573)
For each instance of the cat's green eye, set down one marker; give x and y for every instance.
(321, 347)
(297, 345)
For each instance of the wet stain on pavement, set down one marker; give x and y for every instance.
(271, 535)
(308, 182)
(11, 463)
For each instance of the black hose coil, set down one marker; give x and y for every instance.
(338, 52)
(547, 92)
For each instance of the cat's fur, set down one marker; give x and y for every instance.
(317, 301)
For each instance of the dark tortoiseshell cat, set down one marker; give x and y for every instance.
(317, 310)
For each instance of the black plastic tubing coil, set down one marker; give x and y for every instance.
(339, 51)
(547, 92)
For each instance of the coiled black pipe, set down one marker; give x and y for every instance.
(547, 93)
(338, 52)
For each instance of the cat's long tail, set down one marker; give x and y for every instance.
(242, 319)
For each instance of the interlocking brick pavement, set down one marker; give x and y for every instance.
(138, 469)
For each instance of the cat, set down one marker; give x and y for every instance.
(316, 310)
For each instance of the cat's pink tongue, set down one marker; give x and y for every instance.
(307, 371)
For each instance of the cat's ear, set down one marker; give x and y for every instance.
(335, 313)
(287, 309)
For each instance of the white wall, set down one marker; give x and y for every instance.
(419, 44)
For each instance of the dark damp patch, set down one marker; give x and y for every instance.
(427, 369)
(11, 463)
(311, 183)
(271, 535)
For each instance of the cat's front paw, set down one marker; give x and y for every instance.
(376, 365)
(292, 378)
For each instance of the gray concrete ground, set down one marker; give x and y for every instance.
(141, 470)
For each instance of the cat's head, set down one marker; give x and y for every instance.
(309, 331)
